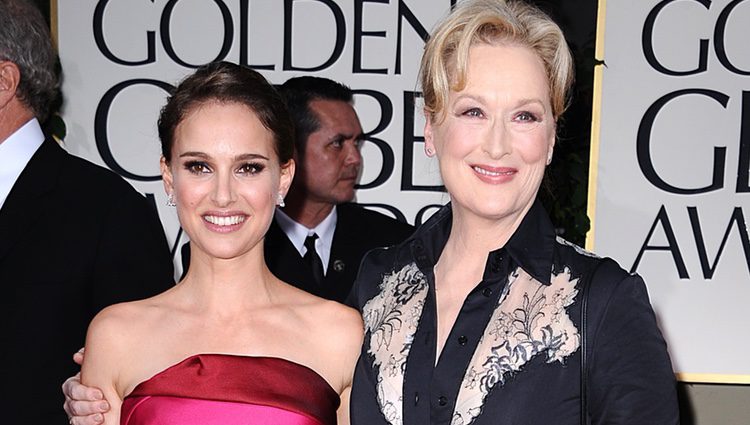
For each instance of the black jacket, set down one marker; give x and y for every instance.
(358, 230)
(74, 238)
(513, 355)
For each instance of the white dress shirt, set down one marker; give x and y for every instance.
(297, 234)
(15, 152)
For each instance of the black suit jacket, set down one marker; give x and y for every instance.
(74, 238)
(358, 230)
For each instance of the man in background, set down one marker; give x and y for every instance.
(74, 237)
(318, 213)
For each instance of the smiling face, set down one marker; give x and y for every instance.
(331, 160)
(225, 176)
(497, 135)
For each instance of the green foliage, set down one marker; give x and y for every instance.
(564, 195)
(565, 190)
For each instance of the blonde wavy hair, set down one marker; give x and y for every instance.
(446, 55)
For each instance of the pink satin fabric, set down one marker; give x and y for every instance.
(213, 389)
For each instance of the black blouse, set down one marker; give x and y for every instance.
(513, 354)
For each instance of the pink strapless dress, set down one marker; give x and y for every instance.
(220, 389)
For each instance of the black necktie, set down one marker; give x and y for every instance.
(312, 260)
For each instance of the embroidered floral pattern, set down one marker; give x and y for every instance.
(530, 319)
(391, 320)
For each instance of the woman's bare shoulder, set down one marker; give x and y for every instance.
(122, 326)
(116, 316)
(127, 315)
(334, 334)
(340, 325)
(344, 316)
(118, 340)
(321, 312)
(115, 328)
(322, 319)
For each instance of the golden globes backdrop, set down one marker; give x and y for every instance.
(120, 57)
(669, 187)
(669, 180)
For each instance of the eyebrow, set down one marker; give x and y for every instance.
(527, 101)
(345, 136)
(521, 102)
(243, 157)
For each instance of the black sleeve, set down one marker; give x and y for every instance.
(631, 376)
(133, 259)
(354, 299)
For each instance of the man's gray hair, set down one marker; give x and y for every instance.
(25, 41)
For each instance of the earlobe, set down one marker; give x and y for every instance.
(166, 175)
(429, 144)
(287, 175)
(551, 150)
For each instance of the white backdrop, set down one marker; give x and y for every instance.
(670, 196)
(120, 56)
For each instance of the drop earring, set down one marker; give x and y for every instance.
(280, 200)
(170, 200)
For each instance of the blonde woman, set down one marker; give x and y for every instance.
(478, 318)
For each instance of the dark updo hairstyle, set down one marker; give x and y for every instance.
(226, 82)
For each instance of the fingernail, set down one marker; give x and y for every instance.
(98, 418)
(98, 395)
(104, 406)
